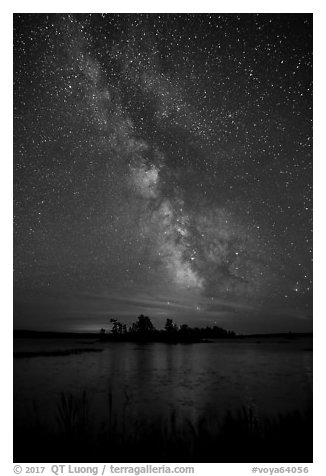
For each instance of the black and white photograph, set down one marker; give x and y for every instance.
(163, 238)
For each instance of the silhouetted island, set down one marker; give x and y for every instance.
(143, 330)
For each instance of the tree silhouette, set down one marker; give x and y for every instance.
(117, 327)
(170, 327)
(143, 325)
(185, 331)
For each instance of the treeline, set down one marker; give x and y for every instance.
(144, 330)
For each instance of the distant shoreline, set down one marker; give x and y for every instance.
(32, 334)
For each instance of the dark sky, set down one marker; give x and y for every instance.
(163, 165)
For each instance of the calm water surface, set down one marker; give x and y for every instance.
(154, 379)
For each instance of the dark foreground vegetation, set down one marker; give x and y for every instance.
(232, 437)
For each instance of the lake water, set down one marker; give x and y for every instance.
(153, 379)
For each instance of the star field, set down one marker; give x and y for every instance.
(163, 165)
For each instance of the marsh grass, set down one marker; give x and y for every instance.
(80, 435)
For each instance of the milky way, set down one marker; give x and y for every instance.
(163, 164)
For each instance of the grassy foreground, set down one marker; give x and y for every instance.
(234, 437)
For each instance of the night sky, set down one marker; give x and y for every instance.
(163, 165)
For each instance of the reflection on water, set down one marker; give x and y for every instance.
(153, 379)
